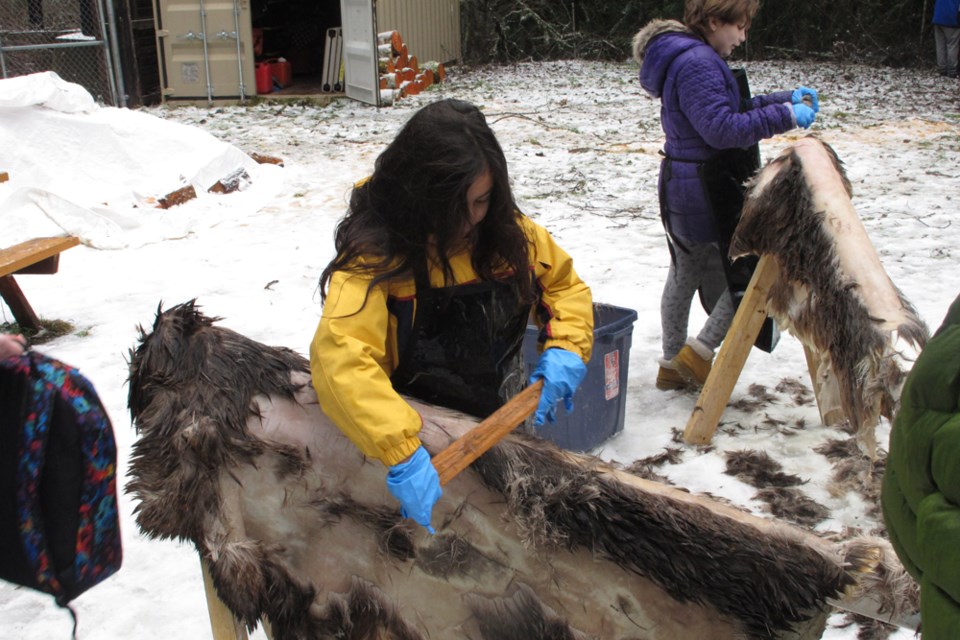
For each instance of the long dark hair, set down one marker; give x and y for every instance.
(417, 198)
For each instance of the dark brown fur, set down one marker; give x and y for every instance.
(645, 468)
(759, 469)
(450, 554)
(520, 617)
(854, 471)
(787, 503)
(364, 613)
(190, 430)
(394, 539)
(771, 584)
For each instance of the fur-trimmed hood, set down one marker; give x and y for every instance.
(658, 45)
(655, 28)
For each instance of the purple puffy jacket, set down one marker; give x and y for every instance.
(700, 115)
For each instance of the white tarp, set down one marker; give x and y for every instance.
(97, 172)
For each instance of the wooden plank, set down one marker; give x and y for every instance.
(38, 255)
(19, 256)
(733, 354)
(478, 441)
(223, 623)
(22, 311)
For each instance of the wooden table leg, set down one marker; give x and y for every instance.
(733, 354)
(22, 311)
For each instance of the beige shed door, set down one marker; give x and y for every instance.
(206, 48)
(360, 50)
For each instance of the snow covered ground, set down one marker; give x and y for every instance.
(582, 143)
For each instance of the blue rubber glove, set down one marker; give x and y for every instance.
(562, 372)
(415, 483)
(800, 92)
(804, 114)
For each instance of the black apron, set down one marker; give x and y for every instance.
(723, 178)
(464, 348)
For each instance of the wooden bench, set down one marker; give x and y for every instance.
(39, 255)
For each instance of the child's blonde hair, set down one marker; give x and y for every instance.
(697, 13)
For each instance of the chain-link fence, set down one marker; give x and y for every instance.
(69, 37)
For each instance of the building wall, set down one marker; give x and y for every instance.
(429, 28)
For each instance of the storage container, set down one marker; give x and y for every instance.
(282, 72)
(600, 403)
(264, 78)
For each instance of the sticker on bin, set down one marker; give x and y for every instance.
(611, 375)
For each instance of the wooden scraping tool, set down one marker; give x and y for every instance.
(458, 456)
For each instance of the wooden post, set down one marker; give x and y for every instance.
(733, 354)
(223, 623)
(23, 313)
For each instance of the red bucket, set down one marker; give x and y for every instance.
(264, 78)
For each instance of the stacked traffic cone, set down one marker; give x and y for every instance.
(400, 74)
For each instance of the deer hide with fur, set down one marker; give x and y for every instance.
(832, 292)
(533, 543)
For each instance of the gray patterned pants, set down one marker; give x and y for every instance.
(694, 266)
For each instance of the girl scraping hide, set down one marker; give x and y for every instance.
(436, 276)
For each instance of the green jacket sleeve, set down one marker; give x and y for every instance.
(921, 484)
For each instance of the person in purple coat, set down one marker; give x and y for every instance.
(712, 128)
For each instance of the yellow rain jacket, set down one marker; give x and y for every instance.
(354, 351)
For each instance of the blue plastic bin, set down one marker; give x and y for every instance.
(600, 403)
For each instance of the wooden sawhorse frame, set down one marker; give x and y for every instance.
(39, 255)
(223, 624)
(744, 330)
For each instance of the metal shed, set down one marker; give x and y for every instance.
(212, 49)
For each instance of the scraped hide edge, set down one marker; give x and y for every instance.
(833, 292)
(533, 542)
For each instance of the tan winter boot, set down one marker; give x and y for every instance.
(669, 379)
(692, 364)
